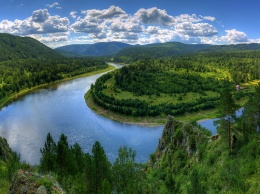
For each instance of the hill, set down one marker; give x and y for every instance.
(25, 63)
(161, 50)
(69, 53)
(15, 47)
(158, 50)
(97, 49)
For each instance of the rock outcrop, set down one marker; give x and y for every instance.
(5, 150)
(179, 135)
(25, 182)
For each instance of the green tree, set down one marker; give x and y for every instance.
(62, 155)
(48, 159)
(124, 171)
(101, 166)
(251, 112)
(227, 110)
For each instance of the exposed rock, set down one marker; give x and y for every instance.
(25, 182)
(179, 135)
(5, 150)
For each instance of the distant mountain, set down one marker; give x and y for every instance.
(232, 47)
(15, 47)
(160, 50)
(68, 53)
(157, 51)
(97, 49)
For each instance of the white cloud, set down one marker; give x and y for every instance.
(73, 14)
(40, 15)
(234, 36)
(114, 24)
(41, 22)
(209, 18)
(197, 29)
(187, 18)
(55, 5)
(126, 25)
(109, 13)
(86, 26)
(55, 24)
(154, 16)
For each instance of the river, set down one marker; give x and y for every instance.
(61, 108)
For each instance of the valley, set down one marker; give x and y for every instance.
(45, 119)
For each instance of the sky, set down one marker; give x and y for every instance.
(63, 22)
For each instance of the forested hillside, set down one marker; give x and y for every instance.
(97, 49)
(159, 50)
(162, 50)
(26, 63)
(187, 160)
(15, 47)
(176, 85)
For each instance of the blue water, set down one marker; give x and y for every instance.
(209, 123)
(62, 109)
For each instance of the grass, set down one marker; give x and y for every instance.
(9, 99)
(4, 183)
(150, 121)
(147, 121)
(110, 90)
(154, 99)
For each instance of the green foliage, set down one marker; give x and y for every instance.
(124, 171)
(49, 154)
(162, 50)
(215, 170)
(26, 63)
(15, 47)
(17, 75)
(227, 110)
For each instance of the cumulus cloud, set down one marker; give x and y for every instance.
(51, 38)
(40, 15)
(109, 13)
(55, 24)
(152, 30)
(234, 36)
(154, 16)
(114, 24)
(187, 18)
(39, 23)
(197, 29)
(86, 26)
(126, 25)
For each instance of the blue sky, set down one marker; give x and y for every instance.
(62, 22)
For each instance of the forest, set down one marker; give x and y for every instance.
(176, 85)
(17, 75)
(187, 160)
(26, 63)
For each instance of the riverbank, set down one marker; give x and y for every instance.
(146, 121)
(15, 96)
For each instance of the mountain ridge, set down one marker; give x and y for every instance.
(16, 47)
(97, 49)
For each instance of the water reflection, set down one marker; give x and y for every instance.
(62, 109)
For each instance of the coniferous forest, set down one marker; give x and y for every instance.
(188, 159)
(25, 63)
(176, 85)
